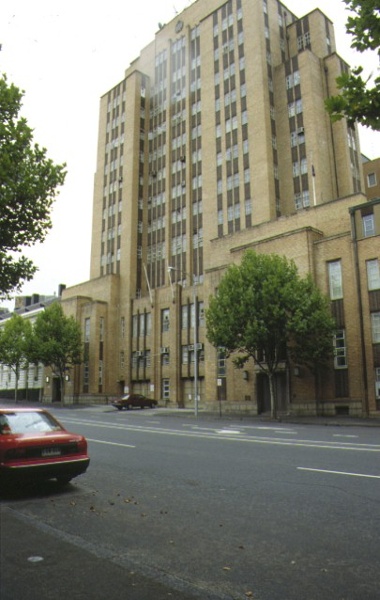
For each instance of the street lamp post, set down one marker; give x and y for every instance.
(195, 340)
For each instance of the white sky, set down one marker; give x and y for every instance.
(65, 54)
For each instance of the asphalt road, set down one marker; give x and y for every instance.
(201, 508)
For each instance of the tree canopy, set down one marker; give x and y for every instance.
(56, 341)
(14, 341)
(265, 311)
(359, 99)
(28, 187)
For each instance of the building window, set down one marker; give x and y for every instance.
(184, 355)
(135, 325)
(100, 376)
(373, 274)
(201, 314)
(192, 315)
(371, 179)
(302, 200)
(377, 382)
(185, 317)
(335, 280)
(87, 330)
(368, 225)
(340, 350)
(221, 362)
(122, 360)
(165, 322)
(375, 323)
(165, 389)
(142, 325)
(148, 323)
(165, 358)
(86, 377)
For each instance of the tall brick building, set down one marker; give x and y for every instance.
(216, 140)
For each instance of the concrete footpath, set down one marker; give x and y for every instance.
(39, 563)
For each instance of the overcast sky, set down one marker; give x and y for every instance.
(65, 55)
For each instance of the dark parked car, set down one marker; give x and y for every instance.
(35, 446)
(134, 401)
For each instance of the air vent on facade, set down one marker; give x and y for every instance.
(164, 350)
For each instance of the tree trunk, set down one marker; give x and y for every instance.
(273, 400)
(16, 385)
(62, 380)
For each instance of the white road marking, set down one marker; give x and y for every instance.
(339, 473)
(110, 443)
(219, 436)
(228, 431)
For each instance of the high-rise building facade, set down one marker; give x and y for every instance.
(217, 140)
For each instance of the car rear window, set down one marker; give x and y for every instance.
(27, 422)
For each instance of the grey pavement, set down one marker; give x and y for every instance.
(334, 420)
(39, 563)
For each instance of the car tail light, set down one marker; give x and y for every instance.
(82, 446)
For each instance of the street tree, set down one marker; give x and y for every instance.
(14, 341)
(263, 310)
(28, 187)
(56, 342)
(359, 98)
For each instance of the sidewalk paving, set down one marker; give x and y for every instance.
(38, 562)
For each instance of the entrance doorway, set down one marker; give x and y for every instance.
(56, 390)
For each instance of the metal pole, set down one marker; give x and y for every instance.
(170, 268)
(195, 351)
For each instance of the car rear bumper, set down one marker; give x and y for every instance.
(67, 468)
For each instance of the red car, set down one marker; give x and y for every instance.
(134, 401)
(35, 446)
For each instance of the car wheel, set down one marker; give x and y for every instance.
(119, 408)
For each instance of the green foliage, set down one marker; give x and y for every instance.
(28, 187)
(14, 343)
(357, 100)
(311, 328)
(365, 25)
(56, 340)
(265, 311)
